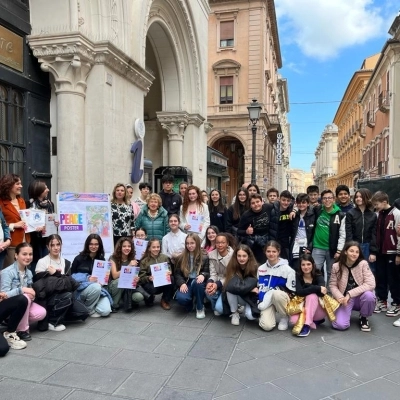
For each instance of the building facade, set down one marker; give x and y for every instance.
(298, 180)
(128, 88)
(243, 62)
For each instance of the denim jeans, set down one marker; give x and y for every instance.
(196, 290)
(320, 257)
(366, 253)
(94, 302)
(214, 299)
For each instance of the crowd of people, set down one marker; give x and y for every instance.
(280, 260)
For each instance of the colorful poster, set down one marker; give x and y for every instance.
(140, 247)
(81, 214)
(161, 274)
(127, 277)
(50, 227)
(101, 270)
(196, 222)
(33, 219)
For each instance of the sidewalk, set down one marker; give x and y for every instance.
(157, 354)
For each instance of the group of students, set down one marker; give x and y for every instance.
(249, 258)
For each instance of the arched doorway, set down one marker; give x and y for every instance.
(233, 149)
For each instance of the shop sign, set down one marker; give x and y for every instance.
(218, 160)
(11, 49)
(279, 148)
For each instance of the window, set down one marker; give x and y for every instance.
(226, 90)
(387, 81)
(226, 34)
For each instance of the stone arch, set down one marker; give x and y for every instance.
(225, 134)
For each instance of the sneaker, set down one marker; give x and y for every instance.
(397, 323)
(200, 314)
(14, 341)
(25, 336)
(57, 328)
(95, 315)
(364, 324)
(393, 310)
(235, 318)
(283, 323)
(217, 314)
(305, 331)
(240, 309)
(381, 305)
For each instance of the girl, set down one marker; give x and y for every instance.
(241, 283)
(219, 260)
(352, 284)
(204, 196)
(191, 274)
(253, 189)
(95, 298)
(141, 233)
(173, 243)
(210, 236)
(17, 279)
(276, 280)
(121, 213)
(129, 193)
(236, 210)
(311, 285)
(217, 210)
(152, 256)
(124, 254)
(193, 205)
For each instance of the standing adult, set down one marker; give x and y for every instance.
(11, 203)
(5, 239)
(171, 201)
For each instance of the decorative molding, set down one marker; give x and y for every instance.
(208, 126)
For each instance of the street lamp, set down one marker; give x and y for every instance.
(287, 181)
(254, 115)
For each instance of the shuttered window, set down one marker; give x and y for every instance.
(226, 90)
(226, 34)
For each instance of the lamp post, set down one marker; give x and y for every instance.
(287, 181)
(254, 115)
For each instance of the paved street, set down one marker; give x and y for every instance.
(156, 354)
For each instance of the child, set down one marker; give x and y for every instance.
(352, 284)
(276, 280)
(311, 285)
(313, 194)
(191, 274)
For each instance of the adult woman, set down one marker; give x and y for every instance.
(121, 213)
(352, 284)
(154, 217)
(204, 196)
(10, 204)
(124, 254)
(17, 279)
(311, 285)
(52, 279)
(193, 205)
(182, 188)
(173, 243)
(219, 260)
(191, 274)
(361, 225)
(5, 239)
(210, 236)
(236, 210)
(90, 292)
(217, 210)
(129, 194)
(38, 200)
(152, 256)
(241, 283)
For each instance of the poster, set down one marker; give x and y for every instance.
(50, 227)
(140, 247)
(33, 219)
(127, 277)
(161, 274)
(196, 222)
(81, 214)
(101, 270)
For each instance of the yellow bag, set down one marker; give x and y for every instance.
(295, 305)
(330, 305)
(300, 323)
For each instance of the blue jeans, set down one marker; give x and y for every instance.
(216, 301)
(196, 290)
(94, 302)
(366, 253)
(2, 257)
(320, 257)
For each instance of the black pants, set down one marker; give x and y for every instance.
(14, 309)
(166, 290)
(387, 277)
(57, 307)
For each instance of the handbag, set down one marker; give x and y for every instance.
(330, 305)
(295, 305)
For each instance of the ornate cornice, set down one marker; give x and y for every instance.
(179, 117)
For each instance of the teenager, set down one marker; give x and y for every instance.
(352, 284)
(276, 280)
(145, 189)
(310, 284)
(219, 260)
(151, 256)
(210, 238)
(252, 188)
(191, 274)
(236, 210)
(313, 194)
(173, 243)
(182, 188)
(343, 199)
(17, 279)
(241, 284)
(272, 195)
(171, 201)
(218, 212)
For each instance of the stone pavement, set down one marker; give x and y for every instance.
(156, 354)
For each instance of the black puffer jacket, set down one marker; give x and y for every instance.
(180, 278)
(46, 285)
(361, 227)
(232, 223)
(243, 287)
(274, 222)
(309, 219)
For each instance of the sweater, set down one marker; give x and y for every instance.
(304, 289)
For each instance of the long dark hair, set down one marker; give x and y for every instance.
(343, 257)
(236, 205)
(207, 242)
(100, 251)
(219, 208)
(366, 196)
(314, 271)
(117, 255)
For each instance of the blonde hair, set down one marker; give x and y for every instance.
(154, 196)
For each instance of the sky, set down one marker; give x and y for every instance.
(323, 42)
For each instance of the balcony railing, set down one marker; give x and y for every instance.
(371, 118)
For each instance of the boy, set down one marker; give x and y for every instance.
(388, 256)
(313, 194)
(343, 199)
(145, 190)
(171, 201)
(272, 195)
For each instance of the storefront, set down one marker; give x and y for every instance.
(217, 165)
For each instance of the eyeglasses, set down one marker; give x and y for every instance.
(327, 198)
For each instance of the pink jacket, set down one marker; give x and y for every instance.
(361, 274)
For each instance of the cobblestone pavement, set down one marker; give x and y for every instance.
(157, 354)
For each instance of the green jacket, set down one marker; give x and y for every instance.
(155, 227)
(145, 270)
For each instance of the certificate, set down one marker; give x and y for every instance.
(140, 246)
(127, 277)
(196, 223)
(161, 274)
(33, 219)
(50, 228)
(101, 270)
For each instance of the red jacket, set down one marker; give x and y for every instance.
(12, 216)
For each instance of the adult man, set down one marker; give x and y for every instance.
(171, 201)
(330, 232)
(343, 199)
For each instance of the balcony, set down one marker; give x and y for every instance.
(370, 118)
(384, 101)
(235, 110)
(362, 131)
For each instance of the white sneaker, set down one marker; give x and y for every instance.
(217, 314)
(240, 309)
(200, 314)
(95, 315)
(57, 328)
(235, 318)
(283, 324)
(14, 341)
(397, 323)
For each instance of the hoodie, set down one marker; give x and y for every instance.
(280, 276)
